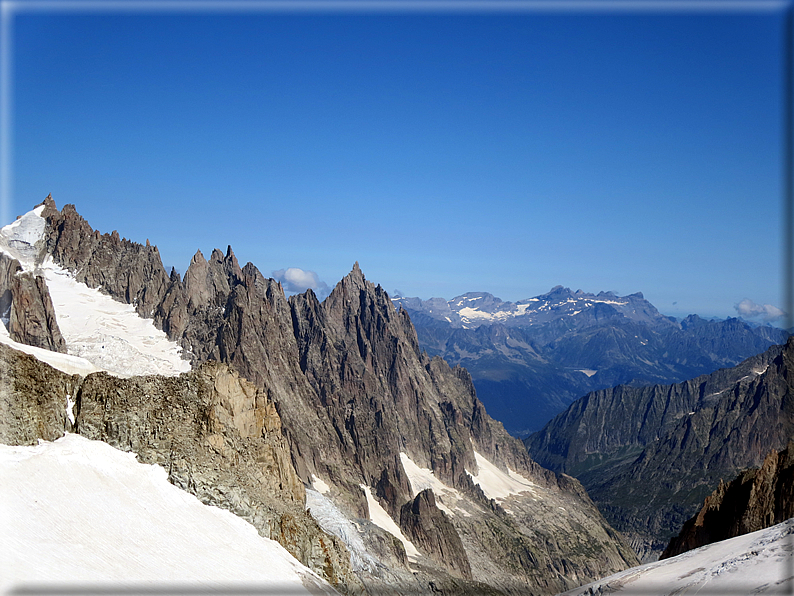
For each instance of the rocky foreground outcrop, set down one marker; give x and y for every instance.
(758, 498)
(357, 402)
(218, 437)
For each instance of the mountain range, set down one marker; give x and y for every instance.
(268, 406)
(531, 359)
(329, 430)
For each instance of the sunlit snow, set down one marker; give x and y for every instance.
(495, 483)
(76, 512)
(18, 238)
(108, 333)
(756, 563)
(380, 517)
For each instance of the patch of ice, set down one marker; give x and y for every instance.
(588, 371)
(380, 517)
(77, 510)
(333, 521)
(107, 333)
(319, 485)
(495, 483)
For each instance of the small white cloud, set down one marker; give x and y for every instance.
(295, 280)
(750, 310)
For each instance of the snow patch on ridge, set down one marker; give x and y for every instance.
(380, 517)
(19, 238)
(107, 333)
(77, 510)
(422, 478)
(496, 484)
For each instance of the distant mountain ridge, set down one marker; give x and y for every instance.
(473, 309)
(649, 455)
(530, 359)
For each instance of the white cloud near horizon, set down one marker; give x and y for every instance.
(749, 309)
(297, 280)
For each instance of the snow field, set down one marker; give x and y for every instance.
(756, 563)
(77, 510)
(107, 333)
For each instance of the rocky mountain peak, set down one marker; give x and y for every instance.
(198, 259)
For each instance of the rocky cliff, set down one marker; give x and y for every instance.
(758, 498)
(649, 456)
(366, 417)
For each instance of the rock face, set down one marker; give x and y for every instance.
(355, 396)
(648, 456)
(25, 301)
(126, 270)
(430, 530)
(34, 399)
(756, 499)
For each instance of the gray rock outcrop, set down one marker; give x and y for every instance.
(26, 304)
(430, 530)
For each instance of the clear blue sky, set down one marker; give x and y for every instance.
(446, 152)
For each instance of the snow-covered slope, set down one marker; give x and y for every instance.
(758, 563)
(71, 365)
(109, 335)
(77, 512)
(21, 239)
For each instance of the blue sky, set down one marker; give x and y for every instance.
(445, 151)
